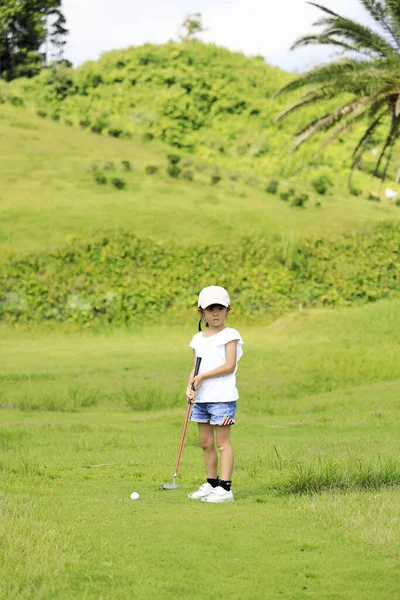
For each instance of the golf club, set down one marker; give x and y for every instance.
(173, 485)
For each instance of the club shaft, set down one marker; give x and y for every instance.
(189, 406)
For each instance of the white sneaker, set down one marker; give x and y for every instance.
(218, 494)
(204, 490)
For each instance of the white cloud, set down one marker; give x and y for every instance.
(261, 27)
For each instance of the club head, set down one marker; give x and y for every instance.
(169, 486)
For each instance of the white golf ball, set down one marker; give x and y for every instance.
(135, 496)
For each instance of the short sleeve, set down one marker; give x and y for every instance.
(194, 343)
(229, 335)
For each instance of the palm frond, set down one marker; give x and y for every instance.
(359, 35)
(307, 98)
(347, 126)
(325, 122)
(393, 131)
(323, 40)
(337, 72)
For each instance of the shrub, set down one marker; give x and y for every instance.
(173, 171)
(354, 191)
(115, 132)
(173, 159)
(272, 186)
(118, 183)
(300, 200)
(41, 113)
(284, 196)
(17, 101)
(233, 176)
(92, 168)
(188, 162)
(322, 184)
(374, 197)
(188, 175)
(100, 178)
(109, 166)
(318, 205)
(151, 169)
(215, 179)
(127, 165)
(84, 123)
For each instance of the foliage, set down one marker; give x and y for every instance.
(364, 83)
(192, 25)
(120, 278)
(151, 169)
(173, 171)
(24, 27)
(322, 184)
(272, 187)
(119, 183)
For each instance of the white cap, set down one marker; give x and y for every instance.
(213, 294)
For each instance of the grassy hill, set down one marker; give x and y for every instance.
(96, 179)
(48, 193)
(199, 98)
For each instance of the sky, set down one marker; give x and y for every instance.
(263, 27)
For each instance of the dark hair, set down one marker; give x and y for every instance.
(201, 319)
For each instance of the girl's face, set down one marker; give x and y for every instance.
(215, 314)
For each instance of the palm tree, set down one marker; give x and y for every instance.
(368, 75)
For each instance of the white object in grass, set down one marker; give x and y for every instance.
(135, 496)
(391, 194)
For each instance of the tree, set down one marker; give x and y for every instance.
(193, 25)
(23, 30)
(365, 82)
(58, 34)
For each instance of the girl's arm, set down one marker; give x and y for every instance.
(226, 369)
(190, 394)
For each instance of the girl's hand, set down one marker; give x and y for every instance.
(196, 381)
(190, 394)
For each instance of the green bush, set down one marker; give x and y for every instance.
(127, 165)
(284, 196)
(374, 197)
(322, 184)
(188, 175)
(354, 191)
(115, 132)
(215, 179)
(173, 171)
(119, 278)
(118, 183)
(151, 169)
(300, 200)
(100, 178)
(173, 159)
(272, 187)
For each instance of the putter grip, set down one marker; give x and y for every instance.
(196, 369)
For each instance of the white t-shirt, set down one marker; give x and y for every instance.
(212, 351)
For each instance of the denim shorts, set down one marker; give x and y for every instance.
(215, 413)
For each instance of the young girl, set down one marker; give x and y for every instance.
(215, 393)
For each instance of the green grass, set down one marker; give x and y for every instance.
(48, 195)
(315, 482)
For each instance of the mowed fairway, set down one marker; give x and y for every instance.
(88, 418)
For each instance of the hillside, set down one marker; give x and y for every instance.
(204, 100)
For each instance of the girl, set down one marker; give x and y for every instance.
(215, 392)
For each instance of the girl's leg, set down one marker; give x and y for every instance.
(223, 435)
(206, 433)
